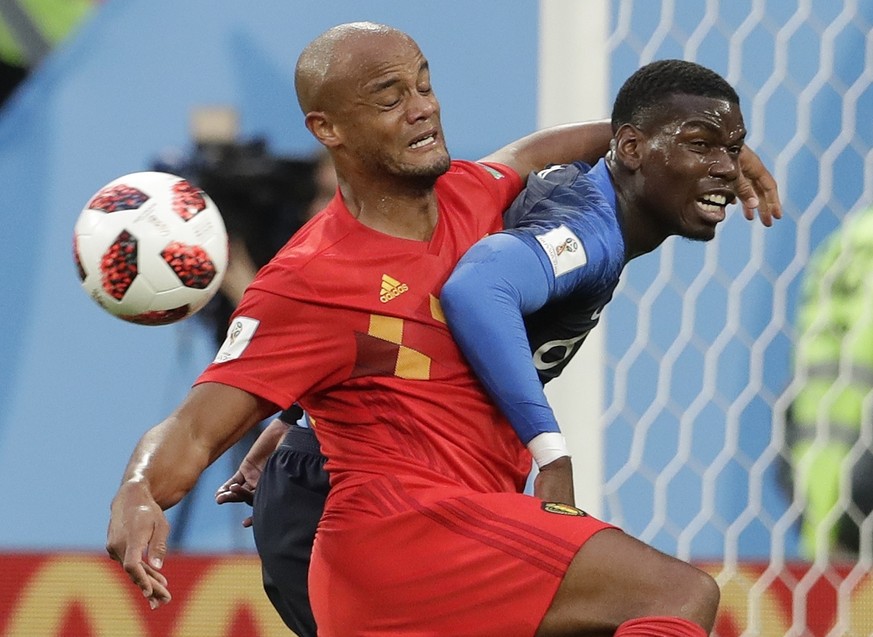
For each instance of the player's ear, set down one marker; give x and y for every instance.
(627, 144)
(320, 125)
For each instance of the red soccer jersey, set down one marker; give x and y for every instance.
(346, 321)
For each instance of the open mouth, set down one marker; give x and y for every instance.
(421, 142)
(712, 204)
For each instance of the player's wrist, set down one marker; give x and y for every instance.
(548, 447)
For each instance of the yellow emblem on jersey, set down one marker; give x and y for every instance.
(562, 509)
(391, 288)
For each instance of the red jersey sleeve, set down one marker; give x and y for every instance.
(501, 181)
(279, 347)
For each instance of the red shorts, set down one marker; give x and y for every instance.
(466, 564)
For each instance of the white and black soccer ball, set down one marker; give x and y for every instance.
(151, 248)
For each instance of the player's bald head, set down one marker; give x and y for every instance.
(333, 57)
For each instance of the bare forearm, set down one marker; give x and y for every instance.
(586, 141)
(583, 141)
(269, 439)
(166, 463)
(170, 457)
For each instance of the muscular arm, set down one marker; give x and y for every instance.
(164, 466)
(589, 141)
(584, 141)
(171, 456)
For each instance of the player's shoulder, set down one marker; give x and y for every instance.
(555, 193)
(297, 260)
(481, 170)
(560, 181)
(480, 177)
(477, 190)
(561, 174)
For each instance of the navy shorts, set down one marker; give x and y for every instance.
(288, 504)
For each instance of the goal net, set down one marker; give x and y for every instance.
(679, 430)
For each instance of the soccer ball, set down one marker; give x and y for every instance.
(150, 248)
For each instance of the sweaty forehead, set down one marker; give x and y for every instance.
(693, 111)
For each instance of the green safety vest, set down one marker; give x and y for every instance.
(30, 28)
(833, 369)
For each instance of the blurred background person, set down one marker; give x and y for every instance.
(29, 30)
(829, 421)
(264, 197)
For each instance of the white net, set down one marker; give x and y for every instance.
(699, 339)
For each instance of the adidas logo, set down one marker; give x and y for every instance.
(391, 288)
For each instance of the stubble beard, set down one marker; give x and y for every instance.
(426, 176)
(416, 175)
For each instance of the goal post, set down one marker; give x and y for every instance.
(573, 85)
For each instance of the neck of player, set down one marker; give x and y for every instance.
(404, 211)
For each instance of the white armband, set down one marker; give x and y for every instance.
(548, 447)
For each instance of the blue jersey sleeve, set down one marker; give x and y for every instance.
(521, 302)
(497, 282)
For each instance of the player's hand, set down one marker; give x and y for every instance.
(757, 189)
(137, 538)
(237, 489)
(554, 482)
(240, 487)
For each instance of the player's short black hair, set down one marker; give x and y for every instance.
(648, 88)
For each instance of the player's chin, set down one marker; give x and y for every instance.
(706, 234)
(442, 163)
(431, 168)
(700, 232)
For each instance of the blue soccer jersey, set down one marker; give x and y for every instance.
(538, 288)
